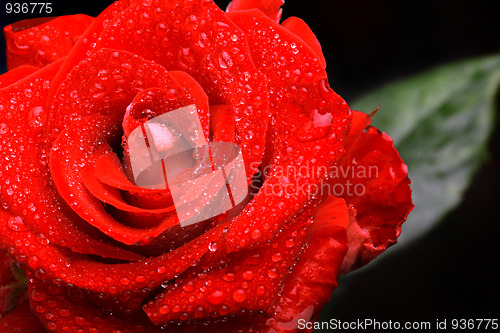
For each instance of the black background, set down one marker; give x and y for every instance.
(451, 272)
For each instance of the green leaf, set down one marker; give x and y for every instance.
(440, 122)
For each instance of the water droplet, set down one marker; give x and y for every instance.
(315, 129)
(404, 168)
(239, 295)
(80, 321)
(37, 295)
(164, 309)
(272, 273)
(42, 240)
(165, 42)
(325, 90)
(63, 313)
(223, 310)
(253, 259)
(33, 262)
(185, 57)
(223, 24)
(276, 257)
(217, 297)
(161, 29)
(256, 233)
(3, 128)
(16, 224)
(202, 39)
(229, 277)
(199, 312)
(257, 101)
(212, 247)
(248, 275)
(225, 60)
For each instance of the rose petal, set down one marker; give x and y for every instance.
(383, 198)
(271, 8)
(16, 74)
(310, 285)
(300, 28)
(40, 42)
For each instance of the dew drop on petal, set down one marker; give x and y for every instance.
(239, 295)
(63, 313)
(256, 233)
(225, 60)
(33, 262)
(276, 257)
(248, 275)
(37, 295)
(199, 312)
(16, 224)
(217, 297)
(229, 277)
(223, 310)
(212, 247)
(80, 321)
(164, 309)
(272, 273)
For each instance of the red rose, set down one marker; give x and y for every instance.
(102, 254)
